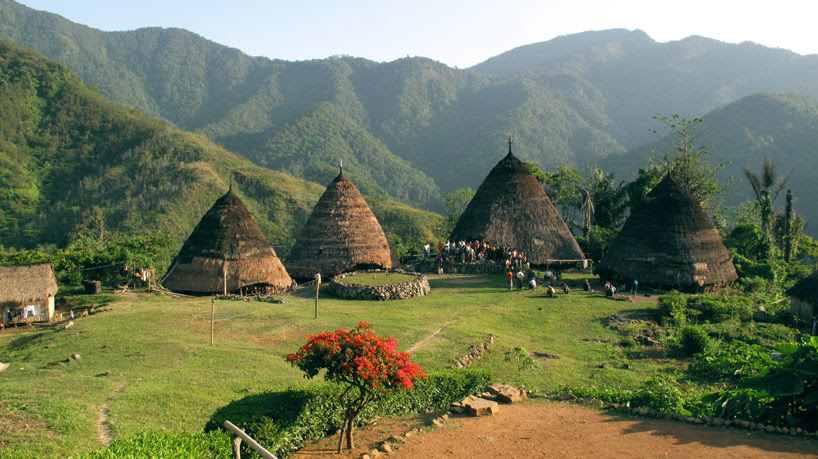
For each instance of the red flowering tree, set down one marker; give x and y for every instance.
(371, 366)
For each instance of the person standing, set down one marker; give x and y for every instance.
(510, 279)
(634, 287)
(426, 248)
(520, 279)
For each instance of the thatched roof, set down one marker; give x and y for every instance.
(19, 284)
(512, 209)
(806, 290)
(226, 239)
(342, 234)
(668, 241)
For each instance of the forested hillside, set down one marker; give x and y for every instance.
(415, 128)
(68, 156)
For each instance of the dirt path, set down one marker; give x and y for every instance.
(423, 342)
(550, 429)
(103, 423)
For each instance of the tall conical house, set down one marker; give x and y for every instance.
(511, 208)
(668, 242)
(226, 251)
(341, 235)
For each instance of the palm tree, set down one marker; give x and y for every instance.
(766, 189)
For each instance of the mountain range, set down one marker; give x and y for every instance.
(415, 128)
(69, 156)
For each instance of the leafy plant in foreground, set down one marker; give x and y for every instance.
(370, 365)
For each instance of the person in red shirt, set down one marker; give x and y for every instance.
(510, 278)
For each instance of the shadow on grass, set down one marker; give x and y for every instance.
(27, 341)
(715, 437)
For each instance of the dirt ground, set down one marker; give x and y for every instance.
(541, 428)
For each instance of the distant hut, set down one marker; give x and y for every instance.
(668, 242)
(27, 293)
(226, 252)
(512, 209)
(341, 235)
(804, 298)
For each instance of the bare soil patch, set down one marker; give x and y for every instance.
(548, 429)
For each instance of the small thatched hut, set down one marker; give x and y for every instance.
(227, 252)
(668, 242)
(804, 297)
(27, 293)
(510, 208)
(342, 234)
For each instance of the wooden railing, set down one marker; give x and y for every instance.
(237, 436)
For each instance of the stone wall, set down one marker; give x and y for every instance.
(410, 289)
(430, 266)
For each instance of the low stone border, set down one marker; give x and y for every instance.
(475, 352)
(409, 289)
(704, 420)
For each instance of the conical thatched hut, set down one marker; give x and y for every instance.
(342, 234)
(668, 242)
(512, 209)
(226, 252)
(27, 293)
(804, 297)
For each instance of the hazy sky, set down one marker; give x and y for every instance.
(458, 33)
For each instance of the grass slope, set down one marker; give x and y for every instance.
(165, 375)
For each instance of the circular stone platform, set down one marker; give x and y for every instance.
(418, 286)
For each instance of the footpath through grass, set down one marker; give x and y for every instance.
(147, 360)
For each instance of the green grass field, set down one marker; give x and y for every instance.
(148, 361)
(377, 279)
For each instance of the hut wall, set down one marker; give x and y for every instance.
(802, 309)
(39, 310)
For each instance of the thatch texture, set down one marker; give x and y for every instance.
(806, 290)
(226, 241)
(668, 241)
(27, 283)
(342, 234)
(512, 209)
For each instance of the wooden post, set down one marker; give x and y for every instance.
(212, 318)
(224, 275)
(317, 286)
(236, 446)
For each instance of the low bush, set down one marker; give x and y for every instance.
(662, 393)
(673, 308)
(784, 392)
(285, 421)
(767, 335)
(731, 362)
(693, 340)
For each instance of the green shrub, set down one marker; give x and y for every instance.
(718, 308)
(731, 362)
(181, 445)
(767, 335)
(661, 393)
(673, 308)
(285, 421)
(693, 340)
(785, 392)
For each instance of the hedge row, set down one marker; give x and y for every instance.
(286, 421)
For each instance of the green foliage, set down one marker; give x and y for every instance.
(525, 362)
(766, 335)
(731, 361)
(693, 340)
(662, 393)
(679, 309)
(171, 445)
(597, 242)
(285, 421)
(455, 203)
(783, 393)
(687, 160)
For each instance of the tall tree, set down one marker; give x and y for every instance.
(766, 188)
(687, 160)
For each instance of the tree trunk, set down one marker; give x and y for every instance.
(788, 228)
